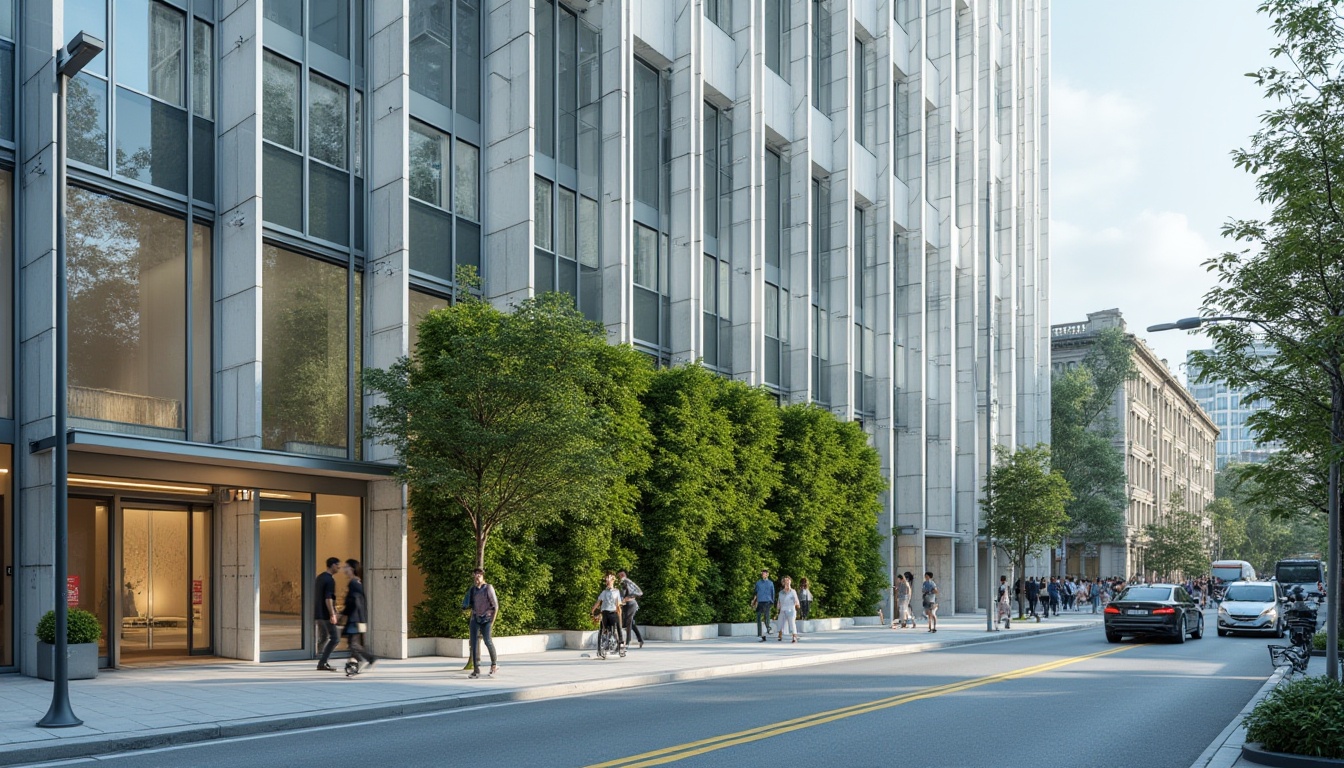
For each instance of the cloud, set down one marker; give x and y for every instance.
(1101, 135)
(1150, 267)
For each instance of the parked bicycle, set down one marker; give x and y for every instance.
(1302, 616)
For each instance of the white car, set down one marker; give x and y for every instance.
(1252, 607)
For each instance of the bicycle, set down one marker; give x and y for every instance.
(1301, 628)
(608, 640)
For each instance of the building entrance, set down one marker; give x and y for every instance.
(165, 581)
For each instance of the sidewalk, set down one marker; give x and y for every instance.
(145, 708)
(1225, 751)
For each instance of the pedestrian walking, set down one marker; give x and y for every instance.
(630, 591)
(929, 597)
(1094, 594)
(804, 599)
(1005, 604)
(328, 629)
(483, 604)
(1033, 595)
(903, 588)
(356, 612)
(1053, 591)
(789, 605)
(763, 602)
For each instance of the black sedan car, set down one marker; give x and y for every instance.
(1161, 610)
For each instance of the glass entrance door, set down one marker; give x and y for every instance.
(165, 583)
(283, 575)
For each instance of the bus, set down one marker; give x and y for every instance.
(1225, 572)
(1299, 572)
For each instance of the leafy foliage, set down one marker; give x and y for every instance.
(1083, 436)
(1255, 527)
(1025, 503)
(80, 627)
(1286, 283)
(1177, 543)
(1301, 717)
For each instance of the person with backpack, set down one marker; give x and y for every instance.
(929, 598)
(483, 607)
(630, 591)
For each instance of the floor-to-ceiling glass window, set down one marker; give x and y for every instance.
(651, 256)
(445, 141)
(89, 563)
(821, 55)
(776, 271)
(821, 290)
(716, 274)
(140, 272)
(863, 277)
(567, 141)
(6, 558)
(778, 28)
(721, 13)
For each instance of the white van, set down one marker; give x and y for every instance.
(1225, 572)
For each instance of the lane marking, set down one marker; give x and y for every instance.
(691, 749)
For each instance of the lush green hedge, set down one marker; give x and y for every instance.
(1302, 717)
(719, 482)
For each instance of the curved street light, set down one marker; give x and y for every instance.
(1332, 504)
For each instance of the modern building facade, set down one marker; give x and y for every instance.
(1230, 407)
(1166, 438)
(820, 197)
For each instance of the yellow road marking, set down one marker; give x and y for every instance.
(691, 749)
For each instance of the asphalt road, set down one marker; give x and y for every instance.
(1070, 699)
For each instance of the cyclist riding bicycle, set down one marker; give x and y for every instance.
(609, 606)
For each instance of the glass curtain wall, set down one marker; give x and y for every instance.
(776, 271)
(445, 140)
(777, 28)
(716, 274)
(7, 37)
(652, 125)
(568, 231)
(865, 98)
(864, 280)
(132, 301)
(312, 121)
(821, 290)
(721, 13)
(821, 56)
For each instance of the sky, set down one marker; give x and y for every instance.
(1148, 98)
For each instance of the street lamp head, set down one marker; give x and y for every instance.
(1184, 324)
(82, 49)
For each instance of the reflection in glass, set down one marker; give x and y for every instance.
(202, 70)
(127, 283)
(431, 241)
(545, 92)
(151, 141)
(419, 305)
(203, 183)
(286, 13)
(568, 89)
(87, 16)
(201, 315)
(329, 25)
(543, 214)
(432, 50)
(328, 203)
(149, 48)
(6, 299)
(339, 534)
(468, 246)
(280, 100)
(469, 59)
(6, 93)
(282, 187)
(466, 180)
(282, 581)
(87, 115)
(647, 138)
(328, 127)
(305, 338)
(428, 150)
(565, 216)
(87, 563)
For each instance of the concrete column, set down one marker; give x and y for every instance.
(35, 182)
(238, 302)
(385, 571)
(238, 634)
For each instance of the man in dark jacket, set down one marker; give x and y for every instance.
(324, 611)
(630, 594)
(1033, 594)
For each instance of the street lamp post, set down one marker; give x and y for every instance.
(81, 50)
(1332, 504)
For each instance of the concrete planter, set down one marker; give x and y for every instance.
(680, 634)
(1253, 752)
(82, 664)
(417, 647)
(744, 629)
(460, 647)
(579, 639)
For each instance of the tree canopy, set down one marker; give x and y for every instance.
(1177, 545)
(1025, 503)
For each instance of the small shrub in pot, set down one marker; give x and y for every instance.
(80, 627)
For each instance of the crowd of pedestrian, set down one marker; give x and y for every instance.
(1042, 597)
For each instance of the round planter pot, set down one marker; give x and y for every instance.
(1253, 752)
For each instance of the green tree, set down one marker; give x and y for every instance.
(1084, 434)
(502, 423)
(852, 568)
(1258, 528)
(1177, 544)
(1025, 503)
(1286, 280)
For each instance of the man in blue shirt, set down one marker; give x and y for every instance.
(763, 601)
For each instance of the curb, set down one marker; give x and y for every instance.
(88, 746)
(1226, 747)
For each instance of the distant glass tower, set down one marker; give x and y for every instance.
(1230, 407)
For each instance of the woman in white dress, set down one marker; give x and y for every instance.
(789, 604)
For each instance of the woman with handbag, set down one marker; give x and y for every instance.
(356, 620)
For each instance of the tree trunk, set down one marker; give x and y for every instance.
(481, 537)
